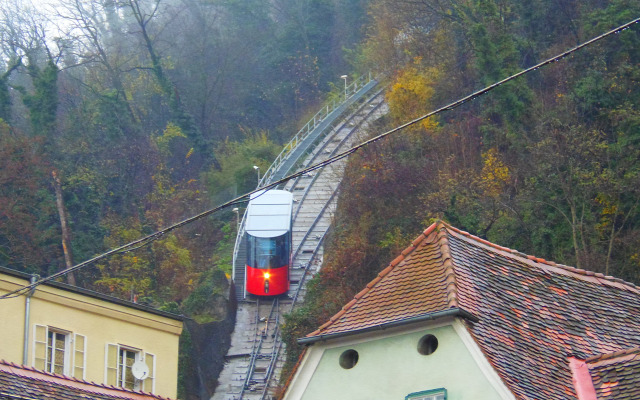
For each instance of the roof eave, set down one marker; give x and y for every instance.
(451, 312)
(96, 295)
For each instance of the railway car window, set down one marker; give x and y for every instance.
(266, 253)
(269, 252)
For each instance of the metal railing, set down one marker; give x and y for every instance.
(299, 138)
(312, 124)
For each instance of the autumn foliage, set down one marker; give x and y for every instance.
(547, 164)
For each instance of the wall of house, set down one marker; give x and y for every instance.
(391, 368)
(99, 321)
(12, 317)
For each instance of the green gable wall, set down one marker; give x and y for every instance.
(392, 368)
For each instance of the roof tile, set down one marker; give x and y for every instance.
(20, 382)
(533, 313)
(616, 375)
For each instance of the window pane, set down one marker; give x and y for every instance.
(271, 252)
(56, 343)
(148, 384)
(125, 375)
(438, 395)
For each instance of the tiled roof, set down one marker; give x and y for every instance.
(616, 375)
(419, 281)
(533, 314)
(19, 382)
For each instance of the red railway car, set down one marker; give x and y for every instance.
(268, 234)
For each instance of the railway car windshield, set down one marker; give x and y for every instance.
(267, 253)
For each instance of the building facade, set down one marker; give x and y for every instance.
(426, 361)
(455, 317)
(62, 329)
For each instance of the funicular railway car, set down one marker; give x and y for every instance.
(268, 234)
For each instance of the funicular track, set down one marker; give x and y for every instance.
(255, 358)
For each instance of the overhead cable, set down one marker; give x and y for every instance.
(154, 236)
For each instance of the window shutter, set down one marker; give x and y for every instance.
(150, 383)
(111, 364)
(39, 347)
(79, 356)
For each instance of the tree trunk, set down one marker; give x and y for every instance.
(574, 234)
(66, 239)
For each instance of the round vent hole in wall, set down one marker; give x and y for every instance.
(427, 345)
(348, 359)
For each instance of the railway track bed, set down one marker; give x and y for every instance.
(254, 361)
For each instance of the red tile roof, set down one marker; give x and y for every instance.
(419, 281)
(533, 314)
(616, 375)
(19, 382)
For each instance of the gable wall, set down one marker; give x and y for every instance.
(390, 367)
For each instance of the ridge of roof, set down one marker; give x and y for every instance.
(447, 263)
(590, 276)
(378, 278)
(615, 356)
(438, 228)
(70, 381)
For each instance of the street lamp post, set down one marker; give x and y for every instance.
(237, 211)
(345, 85)
(258, 170)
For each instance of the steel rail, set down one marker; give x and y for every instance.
(318, 152)
(261, 359)
(306, 270)
(253, 349)
(255, 353)
(358, 84)
(274, 358)
(312, 124)
(328, 140)
(321, 213)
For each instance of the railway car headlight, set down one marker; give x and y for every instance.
(267, 275)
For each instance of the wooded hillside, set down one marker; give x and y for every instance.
(547, 164)
(150, 111)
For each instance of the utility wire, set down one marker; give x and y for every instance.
(240, 199)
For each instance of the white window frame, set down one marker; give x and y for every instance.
(434, 394)
(74, 359)
(121, 375)
(50, 355)
(147, 385)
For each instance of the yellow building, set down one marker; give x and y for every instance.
(88, 335)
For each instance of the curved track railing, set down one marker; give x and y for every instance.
(252, 369)
(315, 121)
(302, 140)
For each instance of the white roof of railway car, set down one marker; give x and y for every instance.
(269, 214)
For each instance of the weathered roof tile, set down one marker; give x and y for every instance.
(616, 375)
(20, 382)
(533, 313)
